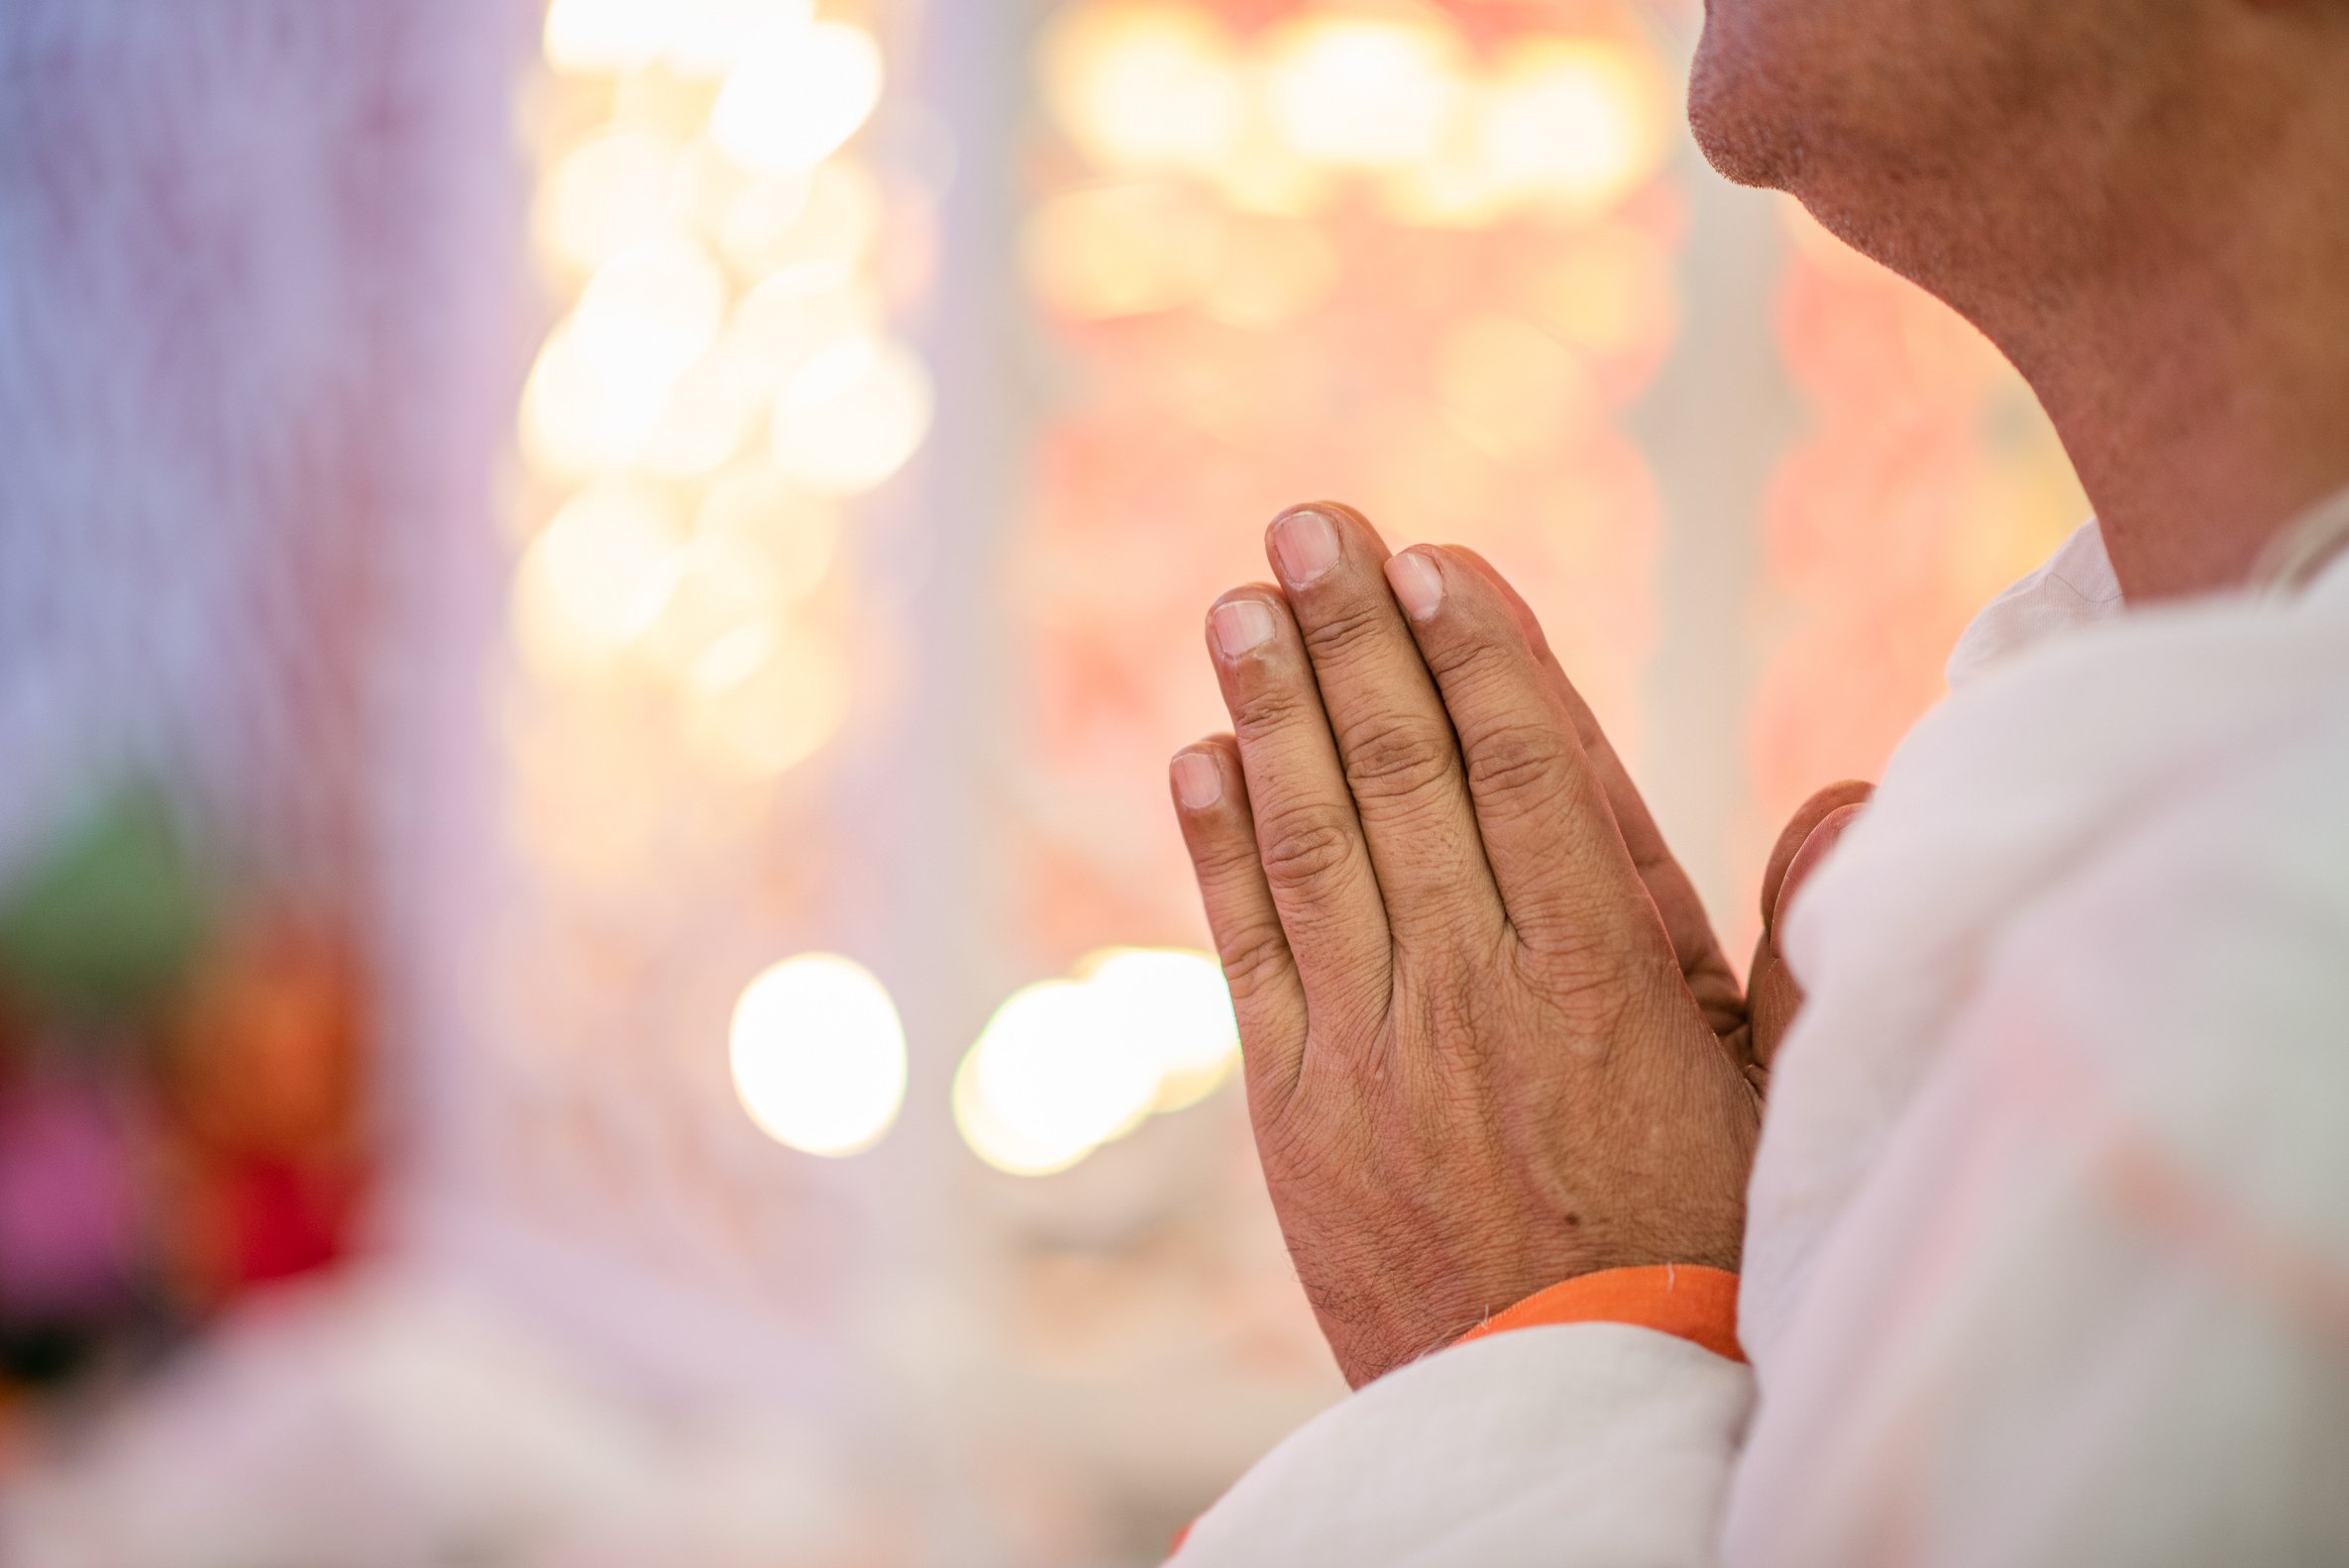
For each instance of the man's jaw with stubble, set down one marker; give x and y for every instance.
(1822, 100)
(1746, 95)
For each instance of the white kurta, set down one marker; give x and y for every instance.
(2048, 1258)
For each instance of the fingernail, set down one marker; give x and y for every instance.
(1416, 582)
(1241, 624)
(1198, 781)
(1306, 544)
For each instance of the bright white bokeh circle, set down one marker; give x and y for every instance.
(1049, 1081)
(818, 1055)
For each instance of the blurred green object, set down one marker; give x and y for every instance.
(107, 916)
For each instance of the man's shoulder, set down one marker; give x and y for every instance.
(2260, 826)
(2194, 965)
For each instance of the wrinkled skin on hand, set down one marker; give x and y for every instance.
(1491, 1042)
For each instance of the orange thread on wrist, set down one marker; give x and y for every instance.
(1684, 1300)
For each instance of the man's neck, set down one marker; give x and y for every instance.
(2199, 376)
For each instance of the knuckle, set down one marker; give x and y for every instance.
(1255, 957)
(1472, 657)
(1224, 861)
(1338, 630)
(1389, 758)
(1267, 709)
(1518, 762)
(1303, 846)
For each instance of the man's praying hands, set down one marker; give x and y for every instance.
(1491, 1041)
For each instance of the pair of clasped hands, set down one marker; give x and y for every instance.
(1491, 1042)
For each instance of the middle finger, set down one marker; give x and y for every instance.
(1401, 756)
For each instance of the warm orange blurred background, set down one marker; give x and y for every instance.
(593, 599)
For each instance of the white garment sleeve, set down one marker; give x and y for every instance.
(1577, 1445)
(2092, 1308)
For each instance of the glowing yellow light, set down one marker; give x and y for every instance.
(579, 421)
(1363, 92)
(765, 698)
(662, 102)
(798, 534)
(811, 231)
(607, 194)
(650, 312)
(704, 187)
(780, 327)
(1579, 122)
(1456, 188)
(724, 587)
(604, 377)
(852, 416)
(800, 93)
(595, 577)
(763, 216)
(604, 37)
(818, 1055)
(1266, 175)
(1000, 1145)
(1609, 288)
(759, 547)
(1122, 250)
(709, 412)
(1172, 1007)
(1145, 86)
(1508, 386)
(708, 37)
(1049, 1081)
(1272, 269)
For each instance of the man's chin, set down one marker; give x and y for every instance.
(1728, 115)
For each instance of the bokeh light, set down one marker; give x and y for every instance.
(798, 93)
(804, 231)
(1049, 1081)
(1175, 1009)
(724, 373)
(578, 421)
(1067, 1065)
(818, 1055)
(603, 37)
(1508, 386)
(609, 194)
(709, 412)
(759, 547)
(1147, 86)
(783, 323)
(852, 416)
(1363, 92)
(707, 36)
(1124, 249)
(1575, 121)
(650, 312)
(596, 578)
(1272, 269)
(763, 697)
(1556, 123)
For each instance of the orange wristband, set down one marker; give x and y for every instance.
(1684, 1300)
